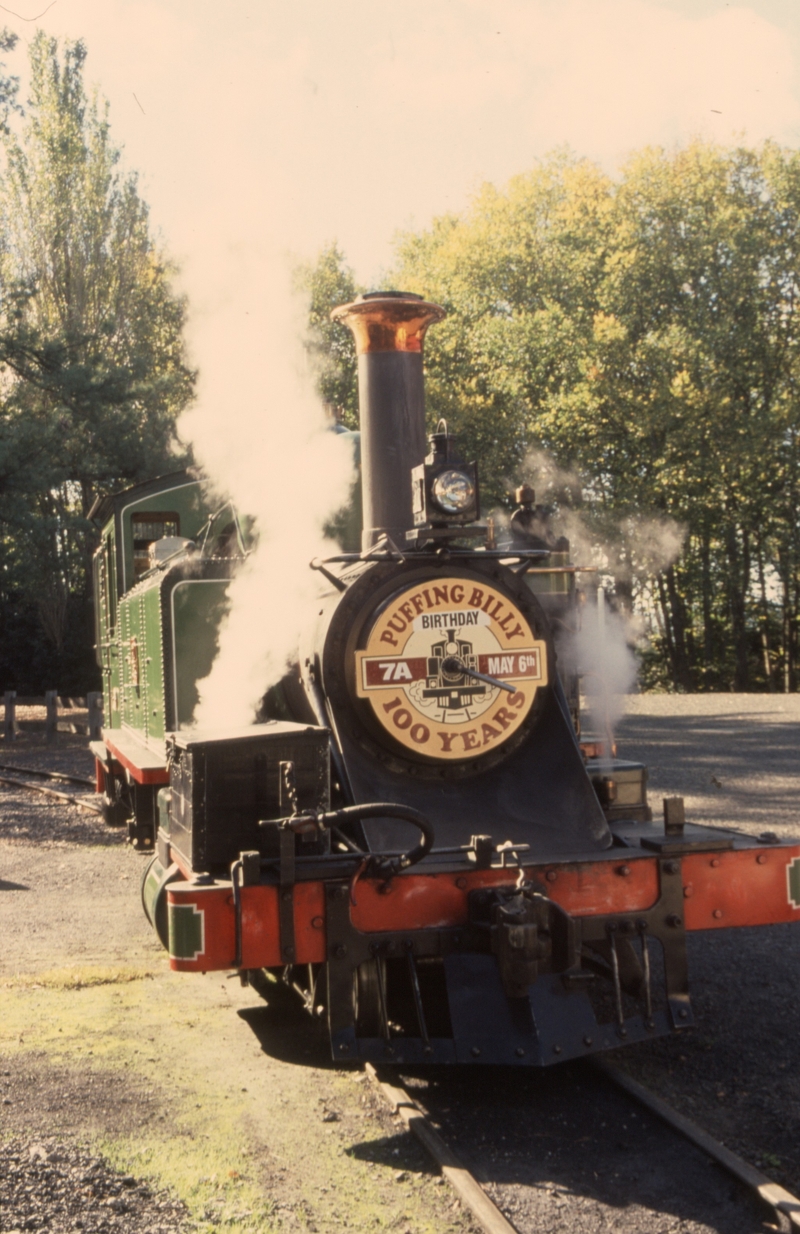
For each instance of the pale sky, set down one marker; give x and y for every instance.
(301, 121)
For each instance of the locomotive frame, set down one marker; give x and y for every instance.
(465, 883)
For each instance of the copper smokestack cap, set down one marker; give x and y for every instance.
(388, 320)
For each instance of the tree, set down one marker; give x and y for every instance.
(519, 275)
(646, 333)
(705, 272)
(326, 283)
(91, 332)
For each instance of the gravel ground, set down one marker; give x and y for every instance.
(734, 757)
(69, 753)
(194, 1086)
(59, 1187)
(27, 817)
(565, 1151)
(59, 1184)
(736, 760)
(560, 1150)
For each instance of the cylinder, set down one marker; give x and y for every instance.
(389, 329)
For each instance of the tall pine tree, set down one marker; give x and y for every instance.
(91, 338)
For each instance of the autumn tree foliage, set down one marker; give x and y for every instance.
(644, 332)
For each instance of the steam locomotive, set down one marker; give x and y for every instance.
(414, 835)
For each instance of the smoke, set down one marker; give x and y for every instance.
(627, 552)
(618, 607)
(623, 556)
(603, 651)
(263, 439)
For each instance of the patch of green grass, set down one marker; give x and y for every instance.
(200, 1151)
(216, 1181)
(235, 1134)
(77, 978)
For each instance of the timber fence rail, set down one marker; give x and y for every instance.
(84, 715)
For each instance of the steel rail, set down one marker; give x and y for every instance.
(777, 1197)
(92, 807)
(489, 1216)
(465, 1185)
(50, 775)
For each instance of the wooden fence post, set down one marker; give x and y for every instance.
(51, 719)
(10, 718)
(94, 703)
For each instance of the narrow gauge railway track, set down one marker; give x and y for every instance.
(48, 775)
(14, 782)
(465, 1185)
(468, 1188)
(784, 1203)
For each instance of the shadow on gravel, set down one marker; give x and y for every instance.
(712, 755)
(725, 737)
(391, 1150)
(27, 817)
(284, 1029)
(547, 1145)
(735, 1073)
(70, 753)
(565, 1141)
(395, 1150)
(5, 885)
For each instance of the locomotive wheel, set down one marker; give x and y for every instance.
(142, 817)
(116, 810)
(115, 813)
(400, 1003)
(367, 998)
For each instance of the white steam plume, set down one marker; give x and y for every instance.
(629, 550)
(626, 554)
(605, 659)
(262, 437)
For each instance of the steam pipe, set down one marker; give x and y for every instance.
(389, 329)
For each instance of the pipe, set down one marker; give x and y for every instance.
(389, 329)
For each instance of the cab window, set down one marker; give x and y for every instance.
(146, 527)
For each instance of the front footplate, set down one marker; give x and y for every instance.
(523, 982)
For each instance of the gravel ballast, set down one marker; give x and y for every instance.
(47, 1185)
(558, 1151)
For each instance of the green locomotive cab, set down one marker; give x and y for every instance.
(161, 575)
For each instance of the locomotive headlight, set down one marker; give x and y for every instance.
(444, 489)
(453, 491)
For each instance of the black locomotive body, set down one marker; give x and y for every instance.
(420, 844)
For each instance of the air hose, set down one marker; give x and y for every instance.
(378, 866)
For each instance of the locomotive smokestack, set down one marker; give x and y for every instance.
(389, 328)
